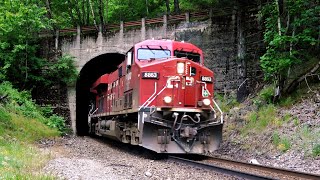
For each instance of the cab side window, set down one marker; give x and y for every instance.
(189, 55)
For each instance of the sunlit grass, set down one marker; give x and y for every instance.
(19, 158)
(257, 121)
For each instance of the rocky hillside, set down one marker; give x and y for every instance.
(285, 134)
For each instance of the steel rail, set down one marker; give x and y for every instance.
(269, 169)
(277, 171)
(219, 169)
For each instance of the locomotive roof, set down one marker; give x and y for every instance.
(102, 80)
(169, 44)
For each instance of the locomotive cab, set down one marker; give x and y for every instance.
(161, 98)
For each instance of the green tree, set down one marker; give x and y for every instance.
(291, 35)
(20, 22)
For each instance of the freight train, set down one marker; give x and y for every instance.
(161, 98)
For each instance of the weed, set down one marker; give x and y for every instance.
(286, 102)
(253, 117)
(46, 111)
(259, 120)
(226, 103)
(257, 102)
(20, 161)
(316, 150)
(267, 94)
(296, 121)
(284, 145)
(306, 132)
(286, 117)
(276, 138)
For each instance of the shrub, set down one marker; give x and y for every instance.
(58, 122)
(21, 103)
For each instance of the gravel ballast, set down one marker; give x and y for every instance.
(89, 158)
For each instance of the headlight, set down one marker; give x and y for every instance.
(206, 102)
(180, 67)
(167, 99)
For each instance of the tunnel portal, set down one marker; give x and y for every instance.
(92, 70)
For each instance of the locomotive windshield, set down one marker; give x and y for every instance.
(192, 56)
(147, 54)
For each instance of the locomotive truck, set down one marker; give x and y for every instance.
(160, 97)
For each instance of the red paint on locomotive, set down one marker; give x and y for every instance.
(160, 97)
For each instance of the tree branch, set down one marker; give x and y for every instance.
(295, 83)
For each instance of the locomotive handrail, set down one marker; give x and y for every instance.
(215, 103)
(150, 101)
(92, 107)
(94, 111)
(221, 112)
(155, 91)
(153, 96)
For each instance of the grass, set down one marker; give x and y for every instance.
(257, 121)
(263, 117)
(310, 140)
(226, 103)
(22, 123)
(21, 161)
(283, 144)
(18, 156)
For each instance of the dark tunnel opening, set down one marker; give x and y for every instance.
(91, 71)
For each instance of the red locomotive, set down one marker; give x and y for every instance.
(160, 97)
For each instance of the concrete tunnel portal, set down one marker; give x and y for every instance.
(90, 72)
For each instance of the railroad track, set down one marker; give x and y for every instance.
(280, 173)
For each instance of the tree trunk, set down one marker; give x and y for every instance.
(93, 16)
(48, 7)
(176, 7)
(101, 13)
(76, 5)
(75, 23)
(49, 14)
(88, 12)
(106, 16)
(295, 83)
(279, 3)
(168, 6)
(83, 13)
(147, 7)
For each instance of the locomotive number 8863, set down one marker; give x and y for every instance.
(160, 97)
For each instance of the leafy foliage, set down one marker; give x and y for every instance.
(291, 35)
(20, 103)
(89, 12)
(63, 71)
(20, 21)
